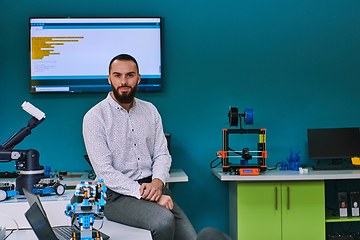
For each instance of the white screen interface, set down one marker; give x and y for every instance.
(73, 54)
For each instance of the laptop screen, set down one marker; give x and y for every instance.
(40, 223)
(33, 198)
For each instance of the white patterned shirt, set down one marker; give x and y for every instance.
(124, 147)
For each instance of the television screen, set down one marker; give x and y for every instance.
(333, 143)
(73, 54)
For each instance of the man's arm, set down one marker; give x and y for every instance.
(161, 156)
(161, 168)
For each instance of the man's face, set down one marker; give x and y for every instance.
(124, 79)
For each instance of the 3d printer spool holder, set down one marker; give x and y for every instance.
(234, 116)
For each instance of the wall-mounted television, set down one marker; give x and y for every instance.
(73, 54)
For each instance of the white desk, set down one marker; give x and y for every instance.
(277, 175)
(73, 178)
(115, 230)
(55, 205)
(306, 192)
(177, 175)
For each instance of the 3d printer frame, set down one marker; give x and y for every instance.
(261, 153)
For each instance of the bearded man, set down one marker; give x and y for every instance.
(127, 148)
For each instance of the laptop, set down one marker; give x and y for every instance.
(39, 222)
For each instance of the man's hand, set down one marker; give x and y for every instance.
(166, 201)
(152, 191)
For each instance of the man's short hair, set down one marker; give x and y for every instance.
(124, 57)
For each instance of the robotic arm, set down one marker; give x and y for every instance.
(27, 161)
(38, 117)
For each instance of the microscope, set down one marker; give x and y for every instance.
(27, 161)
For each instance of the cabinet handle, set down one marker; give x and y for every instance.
(288, 197)
(276, 199)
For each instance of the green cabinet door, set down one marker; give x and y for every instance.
(303, 210)
(259, 211)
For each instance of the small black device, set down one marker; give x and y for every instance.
(343, 204)
(7, 174)
(354, 203)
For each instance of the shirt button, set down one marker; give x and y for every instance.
(134, 144)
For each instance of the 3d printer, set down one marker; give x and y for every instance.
(244, 168)
(27, 161)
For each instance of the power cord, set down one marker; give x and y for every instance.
(235, 151)
(12, 231)
(274, 168)
(102, 224)
(91, 174)
(211, 164)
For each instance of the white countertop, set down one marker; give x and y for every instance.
(177, 175)
(288, 175)
(73, 178)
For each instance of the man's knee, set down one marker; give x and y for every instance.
(163, 226)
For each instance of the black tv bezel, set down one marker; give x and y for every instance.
(160, 89)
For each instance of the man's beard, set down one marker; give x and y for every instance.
(126, 97)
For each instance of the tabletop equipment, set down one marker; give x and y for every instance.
(90, 206)
(244, 168)
(27, 161)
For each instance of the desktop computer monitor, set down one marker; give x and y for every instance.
(333, 143)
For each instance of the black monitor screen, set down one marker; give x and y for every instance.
(73, 54)
(333, 143)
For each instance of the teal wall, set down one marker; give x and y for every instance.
(296, 63)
